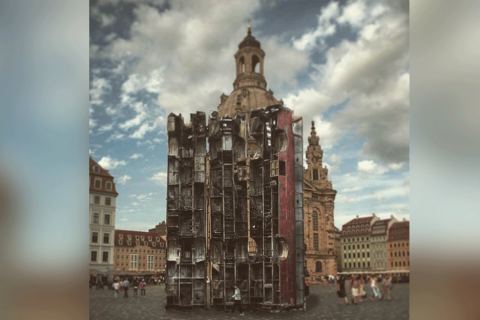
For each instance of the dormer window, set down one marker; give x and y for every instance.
(98, 183)
(108, 185)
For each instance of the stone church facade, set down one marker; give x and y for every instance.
(319, 229)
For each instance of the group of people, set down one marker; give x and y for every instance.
(358, 288)
(124, 285)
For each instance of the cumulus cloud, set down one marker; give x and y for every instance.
(326, 27)
(160, 177)
(370, 72)
(124, 179)
(197, 44)
(110, 163)
(98, 87)
(370, 166)
(136, 156)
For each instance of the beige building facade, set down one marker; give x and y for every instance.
(102, 204)
(319, 229)
(378, 244)
(355, 240)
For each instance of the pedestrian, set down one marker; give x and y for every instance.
(142, 287)
(374, 287)
(387, 284)
(362, 293)
(342, 295)
(135, 287)
(237, 297)
(125, 285)
(355, 289)
(116, 288)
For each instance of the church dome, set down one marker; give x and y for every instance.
(250, 87)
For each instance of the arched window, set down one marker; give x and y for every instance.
(318, 266)
(315, 220)
(255, 63)
(242, 64)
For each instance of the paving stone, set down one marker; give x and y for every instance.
(322, 304)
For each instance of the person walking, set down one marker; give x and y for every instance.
(375, 289)
(237, 297)
(355, 289)
(125, 285)
(342, 294)
(116, 288)
(387, 284)
(142, 286)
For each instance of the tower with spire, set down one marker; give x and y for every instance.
(319, 197)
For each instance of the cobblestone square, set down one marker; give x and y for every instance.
(322, 304)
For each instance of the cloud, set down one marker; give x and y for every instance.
(160, 177)
(124, 179)
(370, 166)
(98, 87)
(197, 44)
(325, 27)
(370, 73)
(354, 13)
(136, 156)
(109, 163)
(105, 128)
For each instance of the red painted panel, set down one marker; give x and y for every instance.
(286, 194)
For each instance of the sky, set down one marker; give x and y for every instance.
(343, 64)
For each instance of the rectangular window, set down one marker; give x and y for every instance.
(315, 174)
(96, 199)
(106, 219)
(94, 237)
(93, 256)
(106, 238)
(108, 201)
(315, 241)
(98, 183)
(105, 256)
(133, 261)
(150, 263)
(96, 216)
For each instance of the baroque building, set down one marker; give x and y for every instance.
(398, 246)
(139, 253)
(319, 197)
(378, 244)
(356, 244)
(102, 204)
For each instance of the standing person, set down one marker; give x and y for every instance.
(355, 289)
(342, 294)
(362, 293)
(348, 288)
(135, 287)
(126, 284)
(116, 288)
(374, 287)
(142, 287)
(387, 284)
(237, 297)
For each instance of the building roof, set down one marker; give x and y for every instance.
(358, 226)
(122, 237)
(380, 227)
(399, 231)
(249, 40)
(96, 170)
